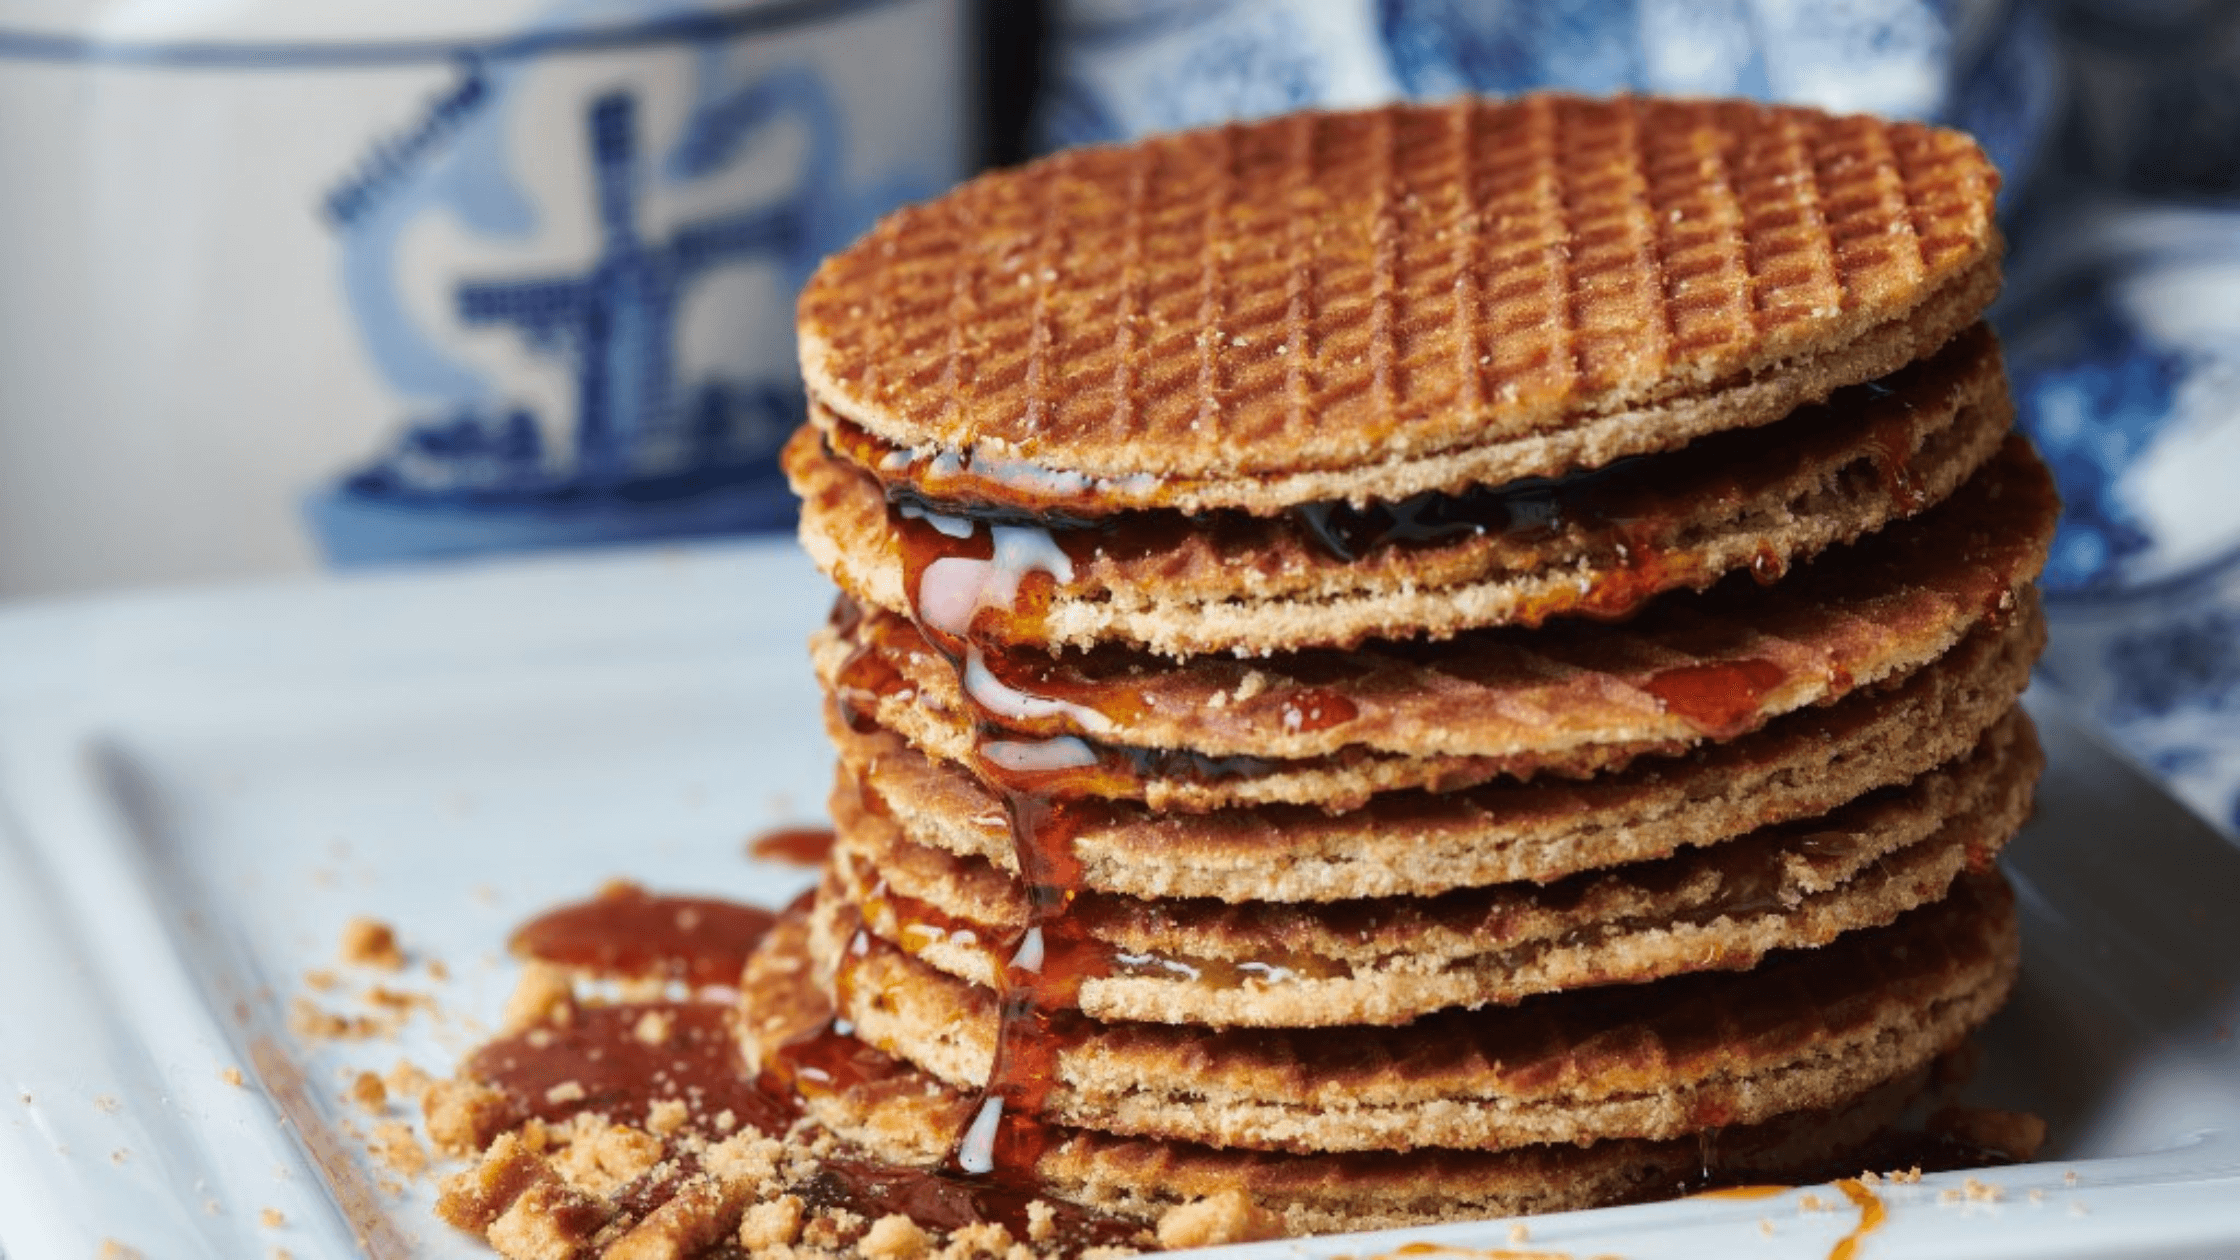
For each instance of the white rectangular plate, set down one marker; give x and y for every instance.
(198, 789)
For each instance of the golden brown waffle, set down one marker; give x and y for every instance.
(1602, 543)
(1331, 727)
(1320, 1194)
(1421, 844)
(1802, 1030)
(1372, 304)
(906, 1117)
(1391, 960)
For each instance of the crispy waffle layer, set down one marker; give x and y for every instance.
(1373, 304)
(1330, 575)
(1802, 1030)
(1330, 728)
(1423, 843)
(906, 1117)
(1391, 960)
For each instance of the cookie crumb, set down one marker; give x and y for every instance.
(602, 1158)
(548, 1219)
(371, 943)
(893, 1237)
(1765, 1226)
(696, 1217)
(394, 1144)
(232, 1076)
(107, 1103)
(1217, 1220)
(111, 1249)
(369, 1093)
(977, 1240)
(406, 1081)
(776, 1223)
(272, 1218)
(119, 1155)
(1519, 1235)
(314, 1024)
(667, 1115)
(653, 1028)
(749, 1159)
(835, 1228)
(1982, 1191)
(398, 999)
(462, 1117)
(543, 996)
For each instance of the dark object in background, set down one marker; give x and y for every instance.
(2156, 95)
(1008, 38)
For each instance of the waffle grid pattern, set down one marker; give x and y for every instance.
(1337, 288)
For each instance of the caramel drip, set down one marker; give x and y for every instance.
(1871, 1216)
(1768, 566)
(966, 577)
(1722, 699)
(629, 933)
(1890, 446)
(622, 1059)
(795, 846)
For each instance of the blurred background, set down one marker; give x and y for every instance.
(370, 282)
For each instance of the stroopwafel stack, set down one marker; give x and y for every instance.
(1418, 663)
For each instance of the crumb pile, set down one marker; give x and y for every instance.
(1415, 664)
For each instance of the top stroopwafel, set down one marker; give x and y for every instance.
(1378, 303)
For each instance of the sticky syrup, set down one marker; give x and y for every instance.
(1718, 698)
(622, 1060)
(1890, 447)
(795, 846)
(629, 933)
(605, 1060)
(971, 581)
(1871, 1216)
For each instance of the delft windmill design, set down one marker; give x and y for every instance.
(618, 321)
(651, 456)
